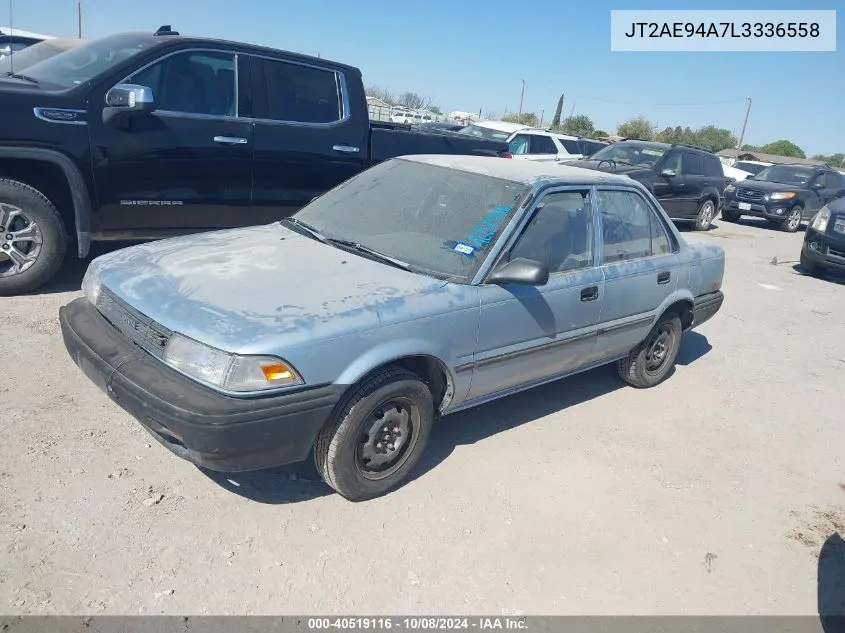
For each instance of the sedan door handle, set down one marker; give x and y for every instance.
(230, 140)
(591, 293)
(664, 277)
(346, 149)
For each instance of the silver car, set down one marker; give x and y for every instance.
(421, 287)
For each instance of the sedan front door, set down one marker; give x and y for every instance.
(530, 334)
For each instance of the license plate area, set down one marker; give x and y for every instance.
(839, 226)
(744, 206)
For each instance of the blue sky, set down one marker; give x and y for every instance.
(469, 54)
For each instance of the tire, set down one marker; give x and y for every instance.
(705, 215)
(21, 209)
(810, 268)
(730, 215)
(340, 452)
(793, 220)
(637, 368)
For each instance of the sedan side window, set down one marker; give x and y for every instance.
(626, 226)
(192, 83)
(559, 234)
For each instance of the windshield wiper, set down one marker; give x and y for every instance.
(19, 76)
(308, 229)
(355, 246)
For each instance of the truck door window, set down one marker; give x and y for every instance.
(302, 94)
(192, 83)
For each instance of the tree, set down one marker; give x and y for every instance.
(381, 93)
(558, 110)
(577, 125)
(413, 101)
(434, 109)
(834, 160)
(715, 139)
(637, 128)
(599, 134)
(751, 148)
(783, 148)
(526, 118)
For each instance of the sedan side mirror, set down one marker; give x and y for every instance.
(124, 100)
(520, 271)
(668, 173)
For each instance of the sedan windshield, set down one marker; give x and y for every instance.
(85, 62)
(479, 131)
(440, 221)
(639, 154)
(786, 174)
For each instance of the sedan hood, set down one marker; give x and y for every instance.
(266, 287)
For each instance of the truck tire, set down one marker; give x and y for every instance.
(33, 240)
(792, 222)
(376, 435)
(705, 215)
(650, 362)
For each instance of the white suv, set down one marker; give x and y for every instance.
(529, 143)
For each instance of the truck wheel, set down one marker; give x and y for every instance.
(706, 213)
(376, 436)
(793, 220)
(650, 362)
(33, 239)
(730, 215)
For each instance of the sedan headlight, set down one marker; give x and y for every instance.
(229, 372)
(782, 195)
(820, 220)
(91, 284)
(730, 188)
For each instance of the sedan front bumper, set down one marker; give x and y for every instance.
(207, 428)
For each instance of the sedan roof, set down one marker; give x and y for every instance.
(522, 171)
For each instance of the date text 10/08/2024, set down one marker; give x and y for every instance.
(723, 29)
(419, 623)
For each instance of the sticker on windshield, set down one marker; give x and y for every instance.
(651, 152)
(465, 249)
(486, 228)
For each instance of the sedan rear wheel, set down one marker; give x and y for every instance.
(651, 361)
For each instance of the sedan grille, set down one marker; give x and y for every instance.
(754, 195)
(141, 330)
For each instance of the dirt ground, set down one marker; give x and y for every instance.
(713, 493)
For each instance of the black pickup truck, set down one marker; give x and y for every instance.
(147, 135)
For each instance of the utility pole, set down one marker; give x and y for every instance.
(521, 95)
(79, 19)
(744, 123)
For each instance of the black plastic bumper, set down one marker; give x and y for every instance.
(706, 306)
(829, 251)
(205, 427)
(759, 210)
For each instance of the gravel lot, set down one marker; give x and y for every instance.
(712, 493)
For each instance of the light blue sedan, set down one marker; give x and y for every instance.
(421, 287)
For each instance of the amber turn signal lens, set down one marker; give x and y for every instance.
(276, 371)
